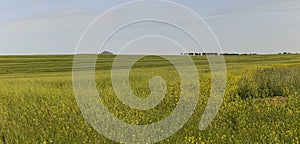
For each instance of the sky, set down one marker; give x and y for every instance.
(241, 26)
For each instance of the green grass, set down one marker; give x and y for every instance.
(37, 103)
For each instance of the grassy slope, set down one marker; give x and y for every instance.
(37, 103)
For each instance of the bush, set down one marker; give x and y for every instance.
(269, 82)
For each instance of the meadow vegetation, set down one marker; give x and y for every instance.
(261, 103)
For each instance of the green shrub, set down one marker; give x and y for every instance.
(269, 82)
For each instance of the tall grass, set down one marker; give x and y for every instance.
(269, 82)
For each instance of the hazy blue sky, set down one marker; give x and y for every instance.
(41, 27)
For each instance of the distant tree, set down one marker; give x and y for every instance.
(107, 53)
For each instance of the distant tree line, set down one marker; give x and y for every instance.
(287, 53)
(199, 54)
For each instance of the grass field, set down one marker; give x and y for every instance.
(261, 104)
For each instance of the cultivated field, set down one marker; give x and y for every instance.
(261, 104)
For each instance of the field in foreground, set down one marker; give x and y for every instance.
(261, 104)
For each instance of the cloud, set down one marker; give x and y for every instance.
(49, 21)
(275, 5)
